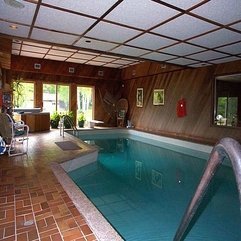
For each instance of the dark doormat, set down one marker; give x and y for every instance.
(67, 145)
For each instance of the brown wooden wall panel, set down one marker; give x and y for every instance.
(5, 53)
(195, 85)
(59, 71)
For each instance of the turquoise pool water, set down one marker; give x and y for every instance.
(143, 191)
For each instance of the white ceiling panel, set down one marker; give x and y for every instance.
(218, 10)
(236, 26)
(82, 56)
(122, 61)
(23, 15)
(64, 49)
(112, 65)
(129, 51)
(217, 38)
(33, 55)
(15, 52)
(183, 27)
(90, 7)
(139, 12)
(87, 52)
(224, 60)
(16, 46)
(21, 31)
(73, 60)
(53, 37)
(204, 56)
(103, 59)
(184, 4)
(151, 41)
(95, 44)
(30, 48)
(52, 57)
(111, 32)
(199, 65)
(158, 56)
(50, 19)
(37, 44)
(231, 49)
(60, 53)
(182, 49)
(182, 61)
(95, 63)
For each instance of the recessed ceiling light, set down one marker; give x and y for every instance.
(13, 26)
(15, 3)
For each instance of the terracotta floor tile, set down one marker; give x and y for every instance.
(86, 230)
(22, 237)
(72, 234)
(56, 237)
(10, 239)
(80, 239)
(48, 233)
(9, 231)
(90, 238)
(33, 235)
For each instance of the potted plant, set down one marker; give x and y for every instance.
(54, 120)
(68, 120)
(81, 119)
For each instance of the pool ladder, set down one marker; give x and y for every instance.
(66, 118)
(226, 147)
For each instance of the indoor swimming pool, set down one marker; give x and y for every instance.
(143, 189)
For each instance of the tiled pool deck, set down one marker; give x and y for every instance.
(33, 204)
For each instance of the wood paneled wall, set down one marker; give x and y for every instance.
(58, 72)
(195, 85)
(5, 53)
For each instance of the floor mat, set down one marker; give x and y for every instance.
(67, 145)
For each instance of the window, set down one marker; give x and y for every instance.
(227, 109)
(55, 98)
(85, 101)
(23, 94)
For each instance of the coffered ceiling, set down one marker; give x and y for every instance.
(118, 33)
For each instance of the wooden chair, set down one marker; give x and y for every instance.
(14, 133)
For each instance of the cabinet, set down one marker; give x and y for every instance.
(37, 121)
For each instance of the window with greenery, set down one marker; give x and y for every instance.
(55, 98)
(23, 94)
(85, 102)
(227, 109)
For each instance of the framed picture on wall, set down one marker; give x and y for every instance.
(158, 97)
(139, 97)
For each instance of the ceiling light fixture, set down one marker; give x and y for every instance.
(12, 26)
(15, 3)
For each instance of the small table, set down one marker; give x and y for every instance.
(93, 122)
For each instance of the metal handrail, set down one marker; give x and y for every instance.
(61, 124)
(226, 147)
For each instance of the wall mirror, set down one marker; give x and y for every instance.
(227, 100)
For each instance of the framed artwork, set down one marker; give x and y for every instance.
(158, 97)
(139, 97)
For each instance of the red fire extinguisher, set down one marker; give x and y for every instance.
(181, 108)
